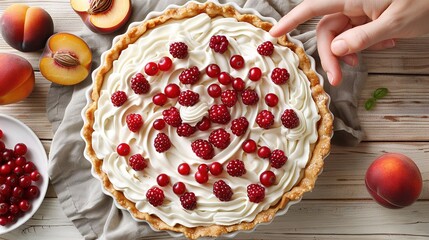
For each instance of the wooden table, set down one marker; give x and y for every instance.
(339, 207)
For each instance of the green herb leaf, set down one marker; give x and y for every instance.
(380, 93)
(370, 103)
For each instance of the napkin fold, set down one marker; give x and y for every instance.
(94, 213)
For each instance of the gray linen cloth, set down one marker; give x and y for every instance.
(95, 214)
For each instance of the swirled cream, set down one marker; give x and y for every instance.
(110, 128)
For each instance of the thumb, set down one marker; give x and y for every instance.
(360, 38)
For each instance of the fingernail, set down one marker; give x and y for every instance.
(339, 47)
(329, 77)
(389, 43)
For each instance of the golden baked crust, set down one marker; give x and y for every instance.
(314, 166)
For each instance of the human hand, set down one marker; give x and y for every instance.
(350, 26)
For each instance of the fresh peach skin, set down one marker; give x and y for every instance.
(16, 78)
(26, 28)
(74, 64)
(107, 21)
(394, 180)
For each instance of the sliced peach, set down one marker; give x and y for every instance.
(103, 16)
(66, 59)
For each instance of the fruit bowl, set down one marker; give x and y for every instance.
(14, 132)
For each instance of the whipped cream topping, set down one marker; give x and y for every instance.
(110, 128)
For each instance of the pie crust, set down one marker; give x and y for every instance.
(314, 166)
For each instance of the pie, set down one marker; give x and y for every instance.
(201, 123)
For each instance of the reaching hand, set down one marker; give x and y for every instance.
(350, 26)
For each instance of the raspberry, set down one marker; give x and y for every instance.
(255, 192)
(290, 119)
(139, 84)
(220, 138)
(279, 76)
(137, 162)
(203, 149)
(162, 142)
(190, 75)
(277, 158)
(266, 48)
(222, 191)
(188, 201)
(172, 117)
(265, 119)
(179, 50)
(219, 114)
(249, 97)
(155, 196)
(239, 126)
(188, 98)
(118, 98)
(185, 130)
(235, 168)
(219, 43)
(134, 121)
(229, 97)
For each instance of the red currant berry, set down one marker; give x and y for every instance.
(18, 170)
(271, 99)
(123, 149)
(264, 152)
(267, 178)
(5, 169)
(184, 169)
(203, 168)
(11, 218)
(24, 205)
(214, 90)
(151, 68)
(172, 90)
(238, 84)
(11, 164)
(24, 181)
(255, 74)
(236, 62)
(249, 146)
(17, 192)
(159, 99)
(4, 208)
(201, 177)
(224, 78)
(213, 70)
(20, 149)
(31, 192)
(179, 188)
(3, 221)
(216, 168)
(29, 167)
(5, 189)
(20, 161)
(2, 180)
(12, 180)
(7, 155)
(14, 209)
(163, 179)
(159, 124)
(35, 176)
(204, 124)
(165, 63)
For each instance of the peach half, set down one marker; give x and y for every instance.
(66, 59)
(16, 78)
(26, 28)
(103, 16)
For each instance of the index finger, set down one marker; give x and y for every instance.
(306, 11)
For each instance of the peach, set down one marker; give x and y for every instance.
(66, 59)
(26, 28)
(394, 180)
(103, 16)
(16, 78)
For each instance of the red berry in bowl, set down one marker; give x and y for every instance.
(179, 50)
(29, 167)
(183, 169)
(159, 99)
(20, 161)
(17, 192)
(249, 146)
(165, 63)
(14, 209)
(271, 99)
(224, 78)
(159, 124)
(2, 147)
(122, 149)
(20, 149)
(213, 70)
(203, 168)
(5, 169)
(25, 181)
(179, 188)
(255, 74)
(31, 192)
(216, 168)
(35, 176)
(24, 205)
(214, 90)
(3, 221)
(267, 178)
(264, 152)
(4, 208)
(1, 134)
(219, 43)
(236, 62)
(172, 90)
(238, 84)
(163, 179)
(204, 124)
(151, 68)
(201, 177)
(11, 180)
(7, 155)
(18, 170)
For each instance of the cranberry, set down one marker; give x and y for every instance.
(201, 177)
(29, 167)
(203, 168)
(159, 124)
(20, 149)
(216, 168)
(224, 78)
(24, 205)
(35, 175)
(267, 178)
(12, 180)
(5, 190)
(204, 124)
(1, 133)
(163, 179)
(249, 146)
(7, 155)
(5, 169)
(236, 62)
(11, 218)
(213, 70)
(2, 180)
(123, 149)
(11, 164)
(2, 147)
(159, 99)
(214, 90)
(151, 68)
(238, 84)
(20, 161)
(17, 192)
(179, 188)
(31, 192)
(164, 64)
(271, 99)
(184, 169)
(264, 152)
(3, 221)
(4, 208)
(255, 74)
(24, 181)
(172, 90)
(14, 209)
(18, 170)
(14, 200)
